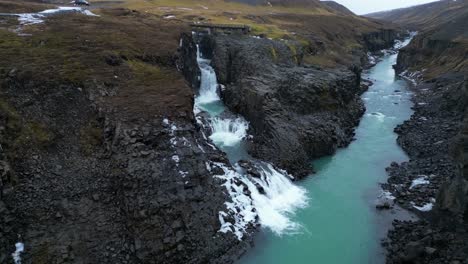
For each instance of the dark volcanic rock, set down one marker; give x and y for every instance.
(379, 40)
(295, 113)
(86, 180)
(430, 138)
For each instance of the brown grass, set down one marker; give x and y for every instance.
(73, 49)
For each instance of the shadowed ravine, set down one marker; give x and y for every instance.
(340, 223)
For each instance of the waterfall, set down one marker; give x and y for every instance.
(279, 199)
(273, 195)
(228, 132)
(209, 84)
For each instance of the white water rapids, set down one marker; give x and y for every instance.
(279, 197)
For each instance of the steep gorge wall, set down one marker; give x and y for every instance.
(109, 166)
(296, 113)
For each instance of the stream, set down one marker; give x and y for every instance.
(330, 217)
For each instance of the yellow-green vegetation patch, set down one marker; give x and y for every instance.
(270, 31)
(23, 134)
(274, 54)
(90, 137)
(148, 74)
(41, 254)
(292, 47)
(319, 60)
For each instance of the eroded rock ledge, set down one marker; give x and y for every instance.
(296, 113)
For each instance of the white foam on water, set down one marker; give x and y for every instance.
(228, 132)
(386, 195)
(419, 181)
(17, 254)
(379, 116)
(209, 84)
(279, 198)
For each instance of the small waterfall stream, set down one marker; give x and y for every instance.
(272, 194)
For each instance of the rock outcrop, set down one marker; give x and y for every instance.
(101, 159)
(436, 64)
(296, 113)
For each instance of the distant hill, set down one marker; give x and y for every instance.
(290, 3)
(442, 42)
(330, 6)
(425, 16)
(339, 8)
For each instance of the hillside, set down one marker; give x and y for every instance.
(338, 8)
(442, 41)
(425, 16)
(328, 36)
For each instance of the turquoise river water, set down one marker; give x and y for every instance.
(338, 222)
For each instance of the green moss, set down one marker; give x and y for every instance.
(22, 134)
(149, 74)
(90, 137)
(270, 31)
(293, 50)
(33, 133)
(12, 117)
(274, 54)
(320, 60)
(41, 254)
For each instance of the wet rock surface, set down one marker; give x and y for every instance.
(296, 113)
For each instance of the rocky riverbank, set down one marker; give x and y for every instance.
(430, 183)
(433, 183)
(424, 184)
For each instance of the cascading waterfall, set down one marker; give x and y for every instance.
(228, 132)
(278, 198)
(209, 88)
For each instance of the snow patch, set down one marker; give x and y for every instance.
(419, 181)
(17, 254)
(425, 208)
(37, 18)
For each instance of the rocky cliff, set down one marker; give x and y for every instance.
(296, 113)
(101, 159)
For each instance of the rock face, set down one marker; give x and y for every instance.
(108, 189)
(106, 168)
(433, 183)
(379, 40)
(430, 139)
(296, 113)
(452, 200)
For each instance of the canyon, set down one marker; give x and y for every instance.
(128, 136)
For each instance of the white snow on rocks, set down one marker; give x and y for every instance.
(425, 208)
(241, 213)
(37, 18)
(176, 159)
(419, 181)
(17, 254)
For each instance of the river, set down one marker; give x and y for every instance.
(329, 217)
